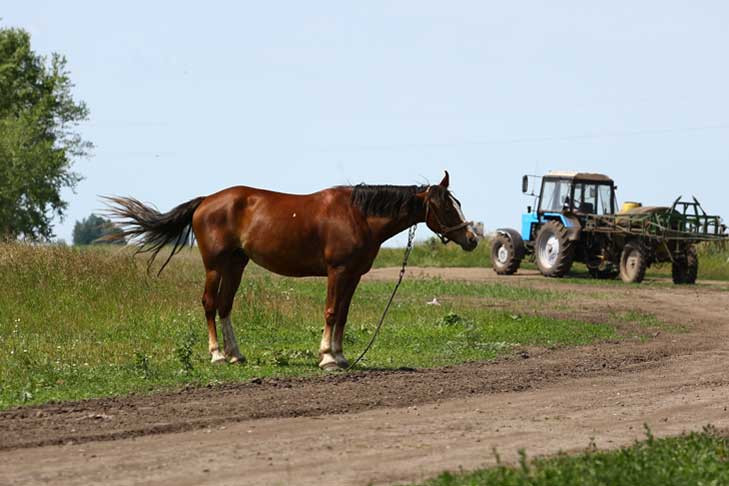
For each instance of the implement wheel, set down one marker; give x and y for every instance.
(686, 268)
(553, 250)
(504, 260)
(633, 262)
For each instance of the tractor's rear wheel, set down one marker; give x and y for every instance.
(553, 250)
(504, 260)
(633, 262)
(685, 269)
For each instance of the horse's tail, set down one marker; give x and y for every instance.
(152, 229)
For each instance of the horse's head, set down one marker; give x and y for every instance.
(444, 216)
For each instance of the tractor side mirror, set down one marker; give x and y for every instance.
(524, 184)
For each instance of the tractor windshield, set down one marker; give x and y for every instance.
(555, 195)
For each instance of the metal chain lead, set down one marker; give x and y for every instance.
(408, 250)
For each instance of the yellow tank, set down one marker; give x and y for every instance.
(628, 205)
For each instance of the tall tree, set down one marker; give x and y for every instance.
(38, 138)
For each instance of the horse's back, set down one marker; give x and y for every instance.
(290, 234)
(244, 191)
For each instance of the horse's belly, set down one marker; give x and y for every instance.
(291, 268)
(291, 246)
(292, 262)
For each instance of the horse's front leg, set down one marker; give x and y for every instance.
(340, 288)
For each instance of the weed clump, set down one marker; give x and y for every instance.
(185, 349)
(450, 319)
(142, 365)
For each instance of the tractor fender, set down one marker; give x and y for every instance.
(571, 224)
(516, 240)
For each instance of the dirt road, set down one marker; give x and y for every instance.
(395, 426)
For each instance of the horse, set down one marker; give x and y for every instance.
(334, 233)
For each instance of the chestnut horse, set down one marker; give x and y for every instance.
(335, 233)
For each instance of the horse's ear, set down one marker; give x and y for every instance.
(446, 180)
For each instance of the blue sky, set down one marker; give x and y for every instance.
(188, 98)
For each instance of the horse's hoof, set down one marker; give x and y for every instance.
(327, 362)
(217, 358)
(342, 361)
(330, 366)
(238, 360)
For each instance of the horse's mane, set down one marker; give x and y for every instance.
(386, 200)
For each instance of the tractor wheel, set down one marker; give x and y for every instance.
(633, 262)
(686, 269)
(503, 256)
(603, 272)
(553, 250)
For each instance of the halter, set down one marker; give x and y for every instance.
(444, 230)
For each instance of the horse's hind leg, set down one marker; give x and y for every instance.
(341, 320)
(340, 288)
(232, 273)
(210, 304)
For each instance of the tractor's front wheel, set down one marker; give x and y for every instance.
(504, 259)
(686, 268)
(553, 250)
(633, 262)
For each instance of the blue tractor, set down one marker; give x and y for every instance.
(575, 218)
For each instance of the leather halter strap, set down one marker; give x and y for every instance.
(444, 230)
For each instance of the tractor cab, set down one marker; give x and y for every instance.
(576, 193)
(567, 197)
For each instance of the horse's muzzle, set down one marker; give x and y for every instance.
(471, 242)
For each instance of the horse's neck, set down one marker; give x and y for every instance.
(386, 228)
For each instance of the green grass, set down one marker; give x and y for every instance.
(433, 253)
(88, 322)
(693, 459)
(713, 264)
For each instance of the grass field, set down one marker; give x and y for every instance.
(693, 459)
(433, 253)
(713, 259)
(87, 322)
